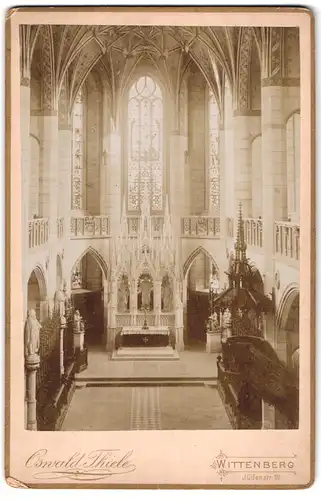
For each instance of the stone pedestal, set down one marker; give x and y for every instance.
(81, 360)
(79, 338)
(32, 364)
(213, 341)
(179, 339)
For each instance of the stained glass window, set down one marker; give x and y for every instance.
(145, 144)
(78, 152)
(214, 167)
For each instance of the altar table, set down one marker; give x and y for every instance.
(154, 336)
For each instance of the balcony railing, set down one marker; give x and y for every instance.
(38, 232)
(93, 226)
(253, 232)
(134, 225)
(60, 227)
(287, 239)
(196, 226)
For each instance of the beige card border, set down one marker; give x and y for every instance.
(310, 266)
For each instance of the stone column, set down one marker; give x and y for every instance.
(62, 329)
(223, 212)
(104, 180)
(178, 146)
(32, 364)
(65, 141)
(49, 198)
(25, 176)
(65, 175)
(113, 173)
(280, 95)
(246, 125)
(157, 301)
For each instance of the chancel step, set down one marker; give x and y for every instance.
(104, 382)
(145, 353)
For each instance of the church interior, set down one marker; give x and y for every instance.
(161, 226)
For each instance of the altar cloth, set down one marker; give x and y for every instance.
(139, 330)
(154, 336)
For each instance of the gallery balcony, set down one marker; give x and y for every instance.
(253, 232)
(38, 230)
(134, 222)
(92, 226)
(195, 226)
(287, 239)
(286, 236)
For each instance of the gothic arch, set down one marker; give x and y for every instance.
(189, 261)
(36, 138)
(289, 295)
(254, 137)
(97, 256)
(294, 112)
(40, 275)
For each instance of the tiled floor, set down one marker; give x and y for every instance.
(146, 408)
(192, 364)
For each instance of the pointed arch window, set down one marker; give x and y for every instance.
(78, 128)
(145, 145)
(214, 167)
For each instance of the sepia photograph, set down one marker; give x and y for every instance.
(160, 201)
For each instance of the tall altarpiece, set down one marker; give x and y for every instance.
(146, 280)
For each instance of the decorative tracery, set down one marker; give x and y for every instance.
(214, 167)
(145, 144)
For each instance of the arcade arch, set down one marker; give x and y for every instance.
(198, 269)
(37, 293)
(89, 294)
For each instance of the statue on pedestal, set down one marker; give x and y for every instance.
(123, 295)
(60, 299)
(32, 333)
(167, 296)
(145, 287)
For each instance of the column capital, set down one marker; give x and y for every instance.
(277, 81)
(32, 362)
(25, 81)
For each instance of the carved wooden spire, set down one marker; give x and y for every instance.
(240, 245)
